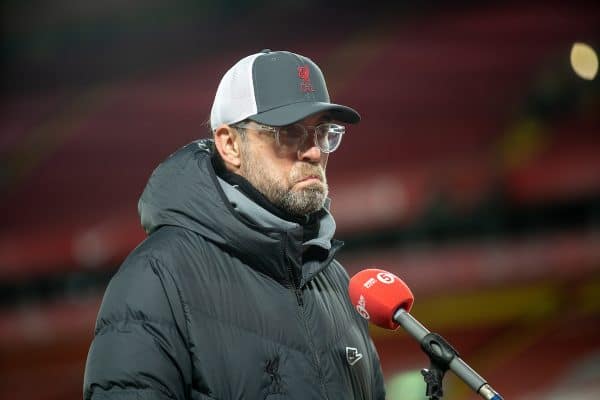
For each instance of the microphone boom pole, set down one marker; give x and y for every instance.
(442, 356)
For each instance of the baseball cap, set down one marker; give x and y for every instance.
(274, 88)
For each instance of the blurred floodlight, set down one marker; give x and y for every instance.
(584, 61)
(406, 385)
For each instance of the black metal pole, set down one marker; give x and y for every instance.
(443, 357)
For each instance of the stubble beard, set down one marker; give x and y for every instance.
(302, 201)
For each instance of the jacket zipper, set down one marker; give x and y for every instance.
(298, 293)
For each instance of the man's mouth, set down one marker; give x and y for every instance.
(310, 178)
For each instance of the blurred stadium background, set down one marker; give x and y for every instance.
(474, 175)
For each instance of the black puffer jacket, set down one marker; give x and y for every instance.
(224, 301)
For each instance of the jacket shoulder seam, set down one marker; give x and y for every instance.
(184, 304)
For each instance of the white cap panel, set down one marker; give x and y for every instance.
(235, 99)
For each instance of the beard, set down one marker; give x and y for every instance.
(302, 201)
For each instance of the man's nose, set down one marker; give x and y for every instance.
(309, 151)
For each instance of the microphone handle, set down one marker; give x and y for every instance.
(457, 365)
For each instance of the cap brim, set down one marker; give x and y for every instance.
(293, 113)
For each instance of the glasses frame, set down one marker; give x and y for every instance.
(306, 129)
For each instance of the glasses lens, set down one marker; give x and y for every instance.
(329, 136)
(291, 136)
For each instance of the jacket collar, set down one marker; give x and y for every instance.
(185, 191)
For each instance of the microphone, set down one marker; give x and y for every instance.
(385, 300)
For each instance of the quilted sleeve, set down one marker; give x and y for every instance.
(139, 348)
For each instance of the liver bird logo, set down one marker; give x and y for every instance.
(304, 73)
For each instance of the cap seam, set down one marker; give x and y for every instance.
(324, 105)
(295, 102)
(254, 81)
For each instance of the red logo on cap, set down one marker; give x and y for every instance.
(304, 74)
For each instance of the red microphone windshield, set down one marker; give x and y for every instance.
(378, 294)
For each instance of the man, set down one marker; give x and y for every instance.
(235, 294)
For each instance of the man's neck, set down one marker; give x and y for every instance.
(252, 193)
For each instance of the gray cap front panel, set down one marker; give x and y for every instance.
(278, 81)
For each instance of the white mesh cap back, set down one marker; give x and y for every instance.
(235, 99)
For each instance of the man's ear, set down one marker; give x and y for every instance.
(228, 144)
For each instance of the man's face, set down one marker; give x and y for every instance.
(294, 181)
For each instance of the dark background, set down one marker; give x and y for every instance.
(474, 174)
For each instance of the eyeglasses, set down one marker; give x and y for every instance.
(327, 136)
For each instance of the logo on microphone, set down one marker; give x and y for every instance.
(352, 355)
(361, 307)
(370, 283)
(385, 277)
